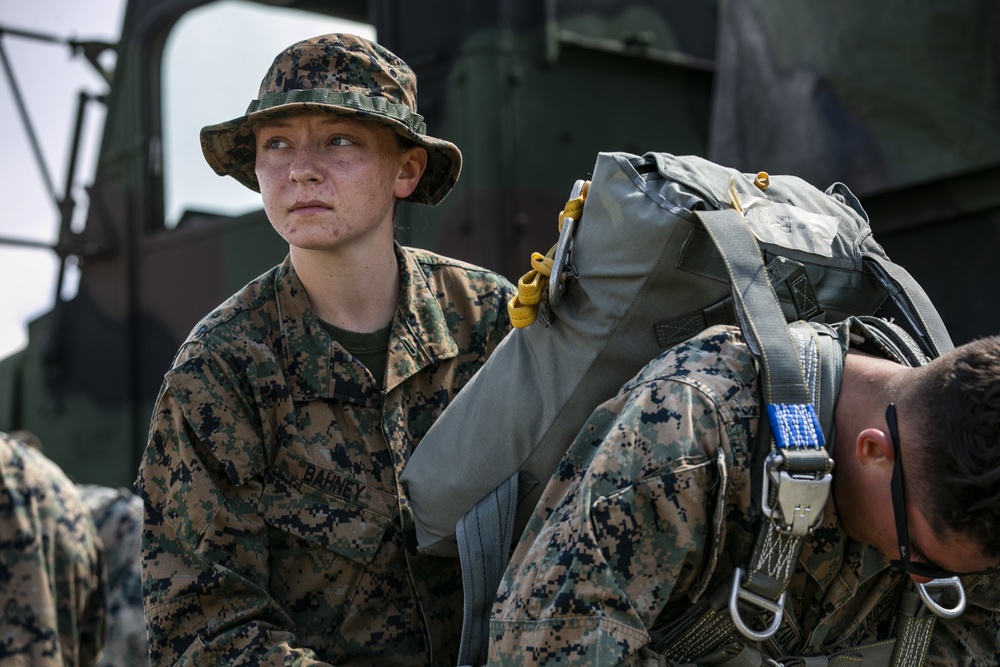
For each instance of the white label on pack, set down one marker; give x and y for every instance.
(791, 227)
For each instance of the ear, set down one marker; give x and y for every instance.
(874, 446)
(413, 161)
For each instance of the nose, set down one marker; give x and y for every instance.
(305, 166)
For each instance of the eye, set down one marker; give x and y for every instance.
(273, 143)
(340, 140)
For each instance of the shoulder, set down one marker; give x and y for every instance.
(687, 404)
(39, 492)
(716, 362)
(458, 274)
(241, 313)
(240, 328)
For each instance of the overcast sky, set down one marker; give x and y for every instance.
(50, 77)
(27, 209)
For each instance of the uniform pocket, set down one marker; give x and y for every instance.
(325, 508)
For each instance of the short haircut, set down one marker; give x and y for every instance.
(955, 408)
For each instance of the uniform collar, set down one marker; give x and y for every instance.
(316, 366)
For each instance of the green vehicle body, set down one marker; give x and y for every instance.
(900, 102)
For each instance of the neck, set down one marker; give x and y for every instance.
(868, 385)
(356, 291)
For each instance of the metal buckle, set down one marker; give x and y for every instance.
(952, 583)
(739, 593)
(562, 261)
(800, 499)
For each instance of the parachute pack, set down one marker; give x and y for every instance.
(652, 250)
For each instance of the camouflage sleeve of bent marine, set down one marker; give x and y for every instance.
(52, 574)
(973, 638)
(632, 509)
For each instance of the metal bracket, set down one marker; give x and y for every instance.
(800, 499)
(739, 593)
(562, 267)
(951, 583)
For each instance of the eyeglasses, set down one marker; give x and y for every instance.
(919, 568)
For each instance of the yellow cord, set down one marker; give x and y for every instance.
(532, 287)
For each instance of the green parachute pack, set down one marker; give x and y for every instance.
(651, 251)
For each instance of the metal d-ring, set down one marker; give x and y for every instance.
(739, 593)
(952, 583)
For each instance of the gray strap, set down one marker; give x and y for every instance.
(925, 323)
(762, 320)
(708, 632)
(484, 536)
(785, 386)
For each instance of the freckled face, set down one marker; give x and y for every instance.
(328, 182)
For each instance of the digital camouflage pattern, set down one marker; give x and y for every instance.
(341, 74)
(118, 517)
(52, 584)
(648, 512)
(275, 529)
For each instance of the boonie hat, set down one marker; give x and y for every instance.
(344, 75)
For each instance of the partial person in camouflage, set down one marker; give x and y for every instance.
(52, 577)
(118, 517)
(275, 529)
(650, 512)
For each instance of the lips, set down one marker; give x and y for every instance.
(309, 206)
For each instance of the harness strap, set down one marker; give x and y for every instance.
(709, 635)
(797, 470)
(913, 633)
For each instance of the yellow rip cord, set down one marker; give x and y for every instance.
(532, 287)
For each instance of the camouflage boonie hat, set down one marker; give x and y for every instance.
(344, 75)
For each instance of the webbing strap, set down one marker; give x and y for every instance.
(913, 632)
(484, 536)
(760, 314)
(925, 323)
(788, 374)
(708, 634)
(804, 463)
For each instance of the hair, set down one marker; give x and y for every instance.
(955, 407)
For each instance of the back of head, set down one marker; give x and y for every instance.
(955, 408)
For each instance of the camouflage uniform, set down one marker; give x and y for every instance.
(51, 565)
(648, 512)
(275, 528)
(118, 516)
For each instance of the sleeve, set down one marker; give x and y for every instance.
(973, 638)
(52, 576)
(205, 552)
(621, 529)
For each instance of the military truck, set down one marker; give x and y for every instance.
(899, 101)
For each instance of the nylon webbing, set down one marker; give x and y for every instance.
(484, 536)
(913, 635)
(925, 322)
(786, 387)
(762, 320)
